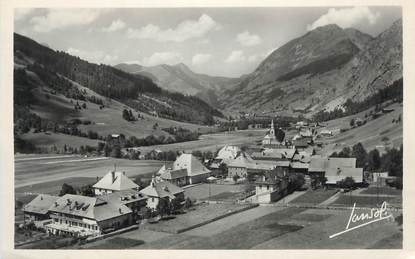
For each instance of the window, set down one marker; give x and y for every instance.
(267, 187)
(152, 199)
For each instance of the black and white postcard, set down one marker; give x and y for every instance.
(207, 127)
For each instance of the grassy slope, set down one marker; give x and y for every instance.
(106, 121)
(370, 134)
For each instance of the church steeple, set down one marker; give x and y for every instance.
(272, 130)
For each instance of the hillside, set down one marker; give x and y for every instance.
(180, 78)
(60, 99)
(379, 133)
(50, 65)
(320, 70)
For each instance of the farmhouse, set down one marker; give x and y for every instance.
(114, 182)
(270, 188)
(196, 171)
(335, 168)
(158, 190)
(244, 165)
(77, 215)
(176, 177)
(38, 208)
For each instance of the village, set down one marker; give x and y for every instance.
(282, 172)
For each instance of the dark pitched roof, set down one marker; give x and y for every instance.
(89, 207)
(116, 181)
(320, 164)
(40, 204)
(161, 189)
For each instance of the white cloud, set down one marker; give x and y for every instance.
(93, 56)
(61, 18)
(136, 62)
(235, 57)
(170, 58)
(21, 13)
(346, 17)
(247, 39)
(115, 26)
(186, 30)
(201, 58)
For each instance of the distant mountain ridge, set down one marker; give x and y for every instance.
(320, 70)
(180, 78)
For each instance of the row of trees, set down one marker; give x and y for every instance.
(85, 190)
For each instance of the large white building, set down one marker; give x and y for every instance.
(196, 171)
(78, 215)
(114, 182)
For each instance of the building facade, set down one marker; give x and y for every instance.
(77, 215)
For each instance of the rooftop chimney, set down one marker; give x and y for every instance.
(113, 176)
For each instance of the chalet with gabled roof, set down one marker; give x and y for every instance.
(114, 182)
(158, 190)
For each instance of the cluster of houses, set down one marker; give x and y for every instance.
(286, 157)
(119, 202)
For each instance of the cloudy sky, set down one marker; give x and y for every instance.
(214, 41)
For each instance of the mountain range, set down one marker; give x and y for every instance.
(320, 71)
(180, 78)
(317, 71)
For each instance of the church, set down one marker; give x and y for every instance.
(270, 138)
